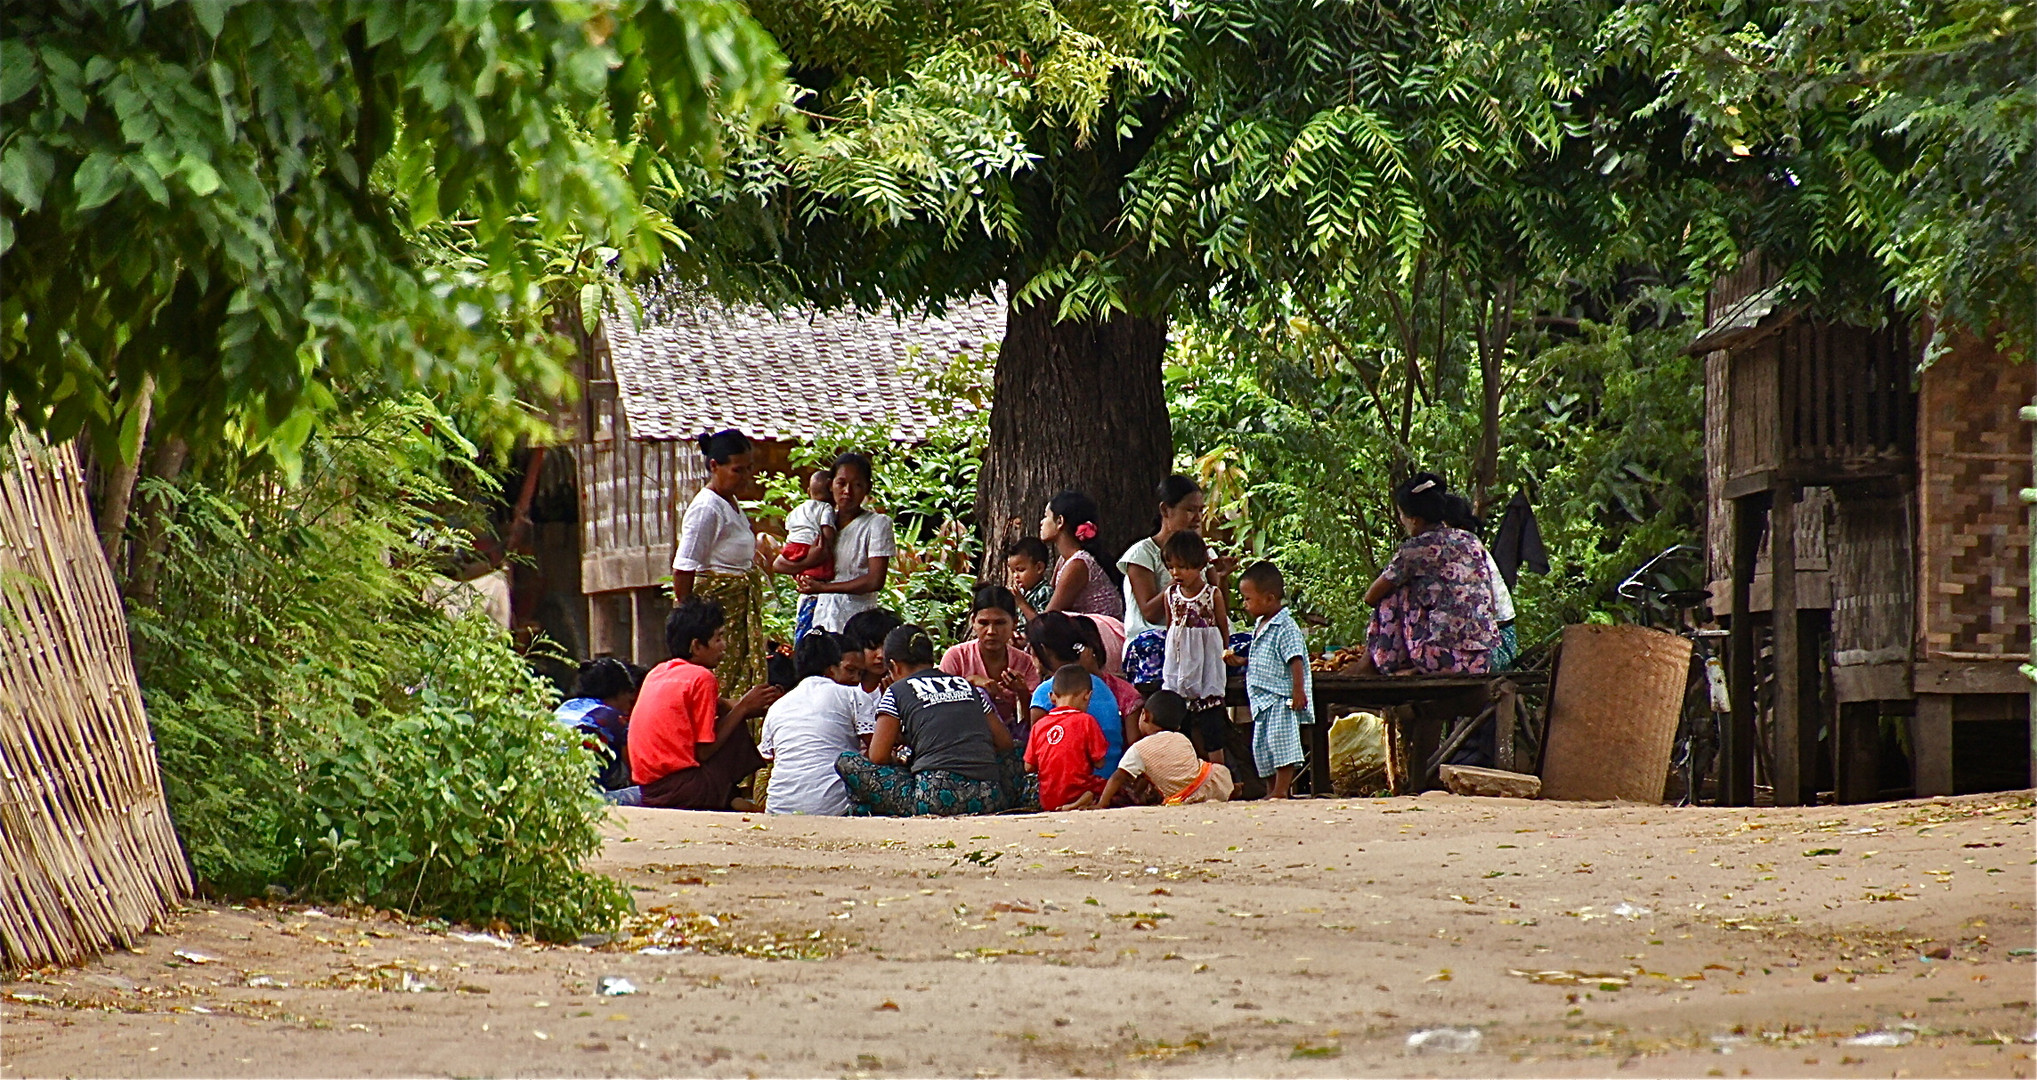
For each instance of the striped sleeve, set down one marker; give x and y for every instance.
(888, 704)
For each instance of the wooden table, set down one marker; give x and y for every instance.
(1435, 698)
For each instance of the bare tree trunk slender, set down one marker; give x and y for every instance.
(1495, 330)
(1405, 315)
(119, 486)
(167, 463)
(1076, 404)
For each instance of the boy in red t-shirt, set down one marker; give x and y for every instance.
(1067, 745)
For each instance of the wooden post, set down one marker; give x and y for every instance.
(1814, 628)
(649, 608)
(608, 625)
(2029, 494)
(1931, 744)
(1858, 768)
(1792, 772)
(1736, 750)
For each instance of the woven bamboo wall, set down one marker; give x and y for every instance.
(1718, 517)
(1973, 538)
(632, 493)
(91, 858)
(1874, 588)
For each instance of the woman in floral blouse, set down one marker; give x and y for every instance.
(1433, 609)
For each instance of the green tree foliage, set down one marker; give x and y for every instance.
(249, 204)
(1395, 192)
(1114, 156)
(1360, 163)
(1605, 435)
(321, 727)
(1862, 146)
(949, 148)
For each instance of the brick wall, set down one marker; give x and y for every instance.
(1973, 537)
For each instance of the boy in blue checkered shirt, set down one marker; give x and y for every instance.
(1278, 686)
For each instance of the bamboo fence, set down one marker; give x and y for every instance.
(91, 857)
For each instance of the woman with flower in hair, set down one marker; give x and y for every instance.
(1081, 585)
(1434, 603)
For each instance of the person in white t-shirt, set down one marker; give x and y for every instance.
(809, 550)
(808, 729)
(864, 547)
(717, 556)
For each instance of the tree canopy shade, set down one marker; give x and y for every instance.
(1111, 162)
(235, 209)
(954, 149)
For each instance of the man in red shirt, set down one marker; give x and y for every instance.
(1067, 746)
(688, 748)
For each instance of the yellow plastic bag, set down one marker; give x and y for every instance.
(1358, 755)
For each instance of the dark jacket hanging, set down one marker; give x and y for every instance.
(1520, 541)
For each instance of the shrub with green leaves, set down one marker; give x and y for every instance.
(466, 801)
(323, 728)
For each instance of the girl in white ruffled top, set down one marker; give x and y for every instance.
(1197, 626)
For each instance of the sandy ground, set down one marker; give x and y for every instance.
(1302, 939)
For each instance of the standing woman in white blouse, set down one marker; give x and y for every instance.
(717, 557)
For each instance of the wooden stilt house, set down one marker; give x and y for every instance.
(605, 519)
(1870, 552)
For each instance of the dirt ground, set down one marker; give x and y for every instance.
(1309, 938)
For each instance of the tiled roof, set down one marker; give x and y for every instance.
(786, 375)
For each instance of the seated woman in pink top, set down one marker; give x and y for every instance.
(1081, 585)
(991, 661)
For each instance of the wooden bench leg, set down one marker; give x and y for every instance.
(1503, 728)
(1319, 755)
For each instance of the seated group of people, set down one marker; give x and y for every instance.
(873, 726)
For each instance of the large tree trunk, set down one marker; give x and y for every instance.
(1078, 405)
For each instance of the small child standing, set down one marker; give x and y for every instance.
(1197, 624)
(1164, 758)
(1278, 686)
(809, 550)
(1027, 559)
(1067, 745)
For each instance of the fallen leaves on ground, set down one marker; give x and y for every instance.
(1610, 979)
(717, 935)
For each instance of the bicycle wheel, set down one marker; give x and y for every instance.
(1690, 761)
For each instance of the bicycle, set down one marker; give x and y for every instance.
(1706, 699)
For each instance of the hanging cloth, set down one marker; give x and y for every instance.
(1520, 541)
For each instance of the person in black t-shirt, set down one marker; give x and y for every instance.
(963, 758)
